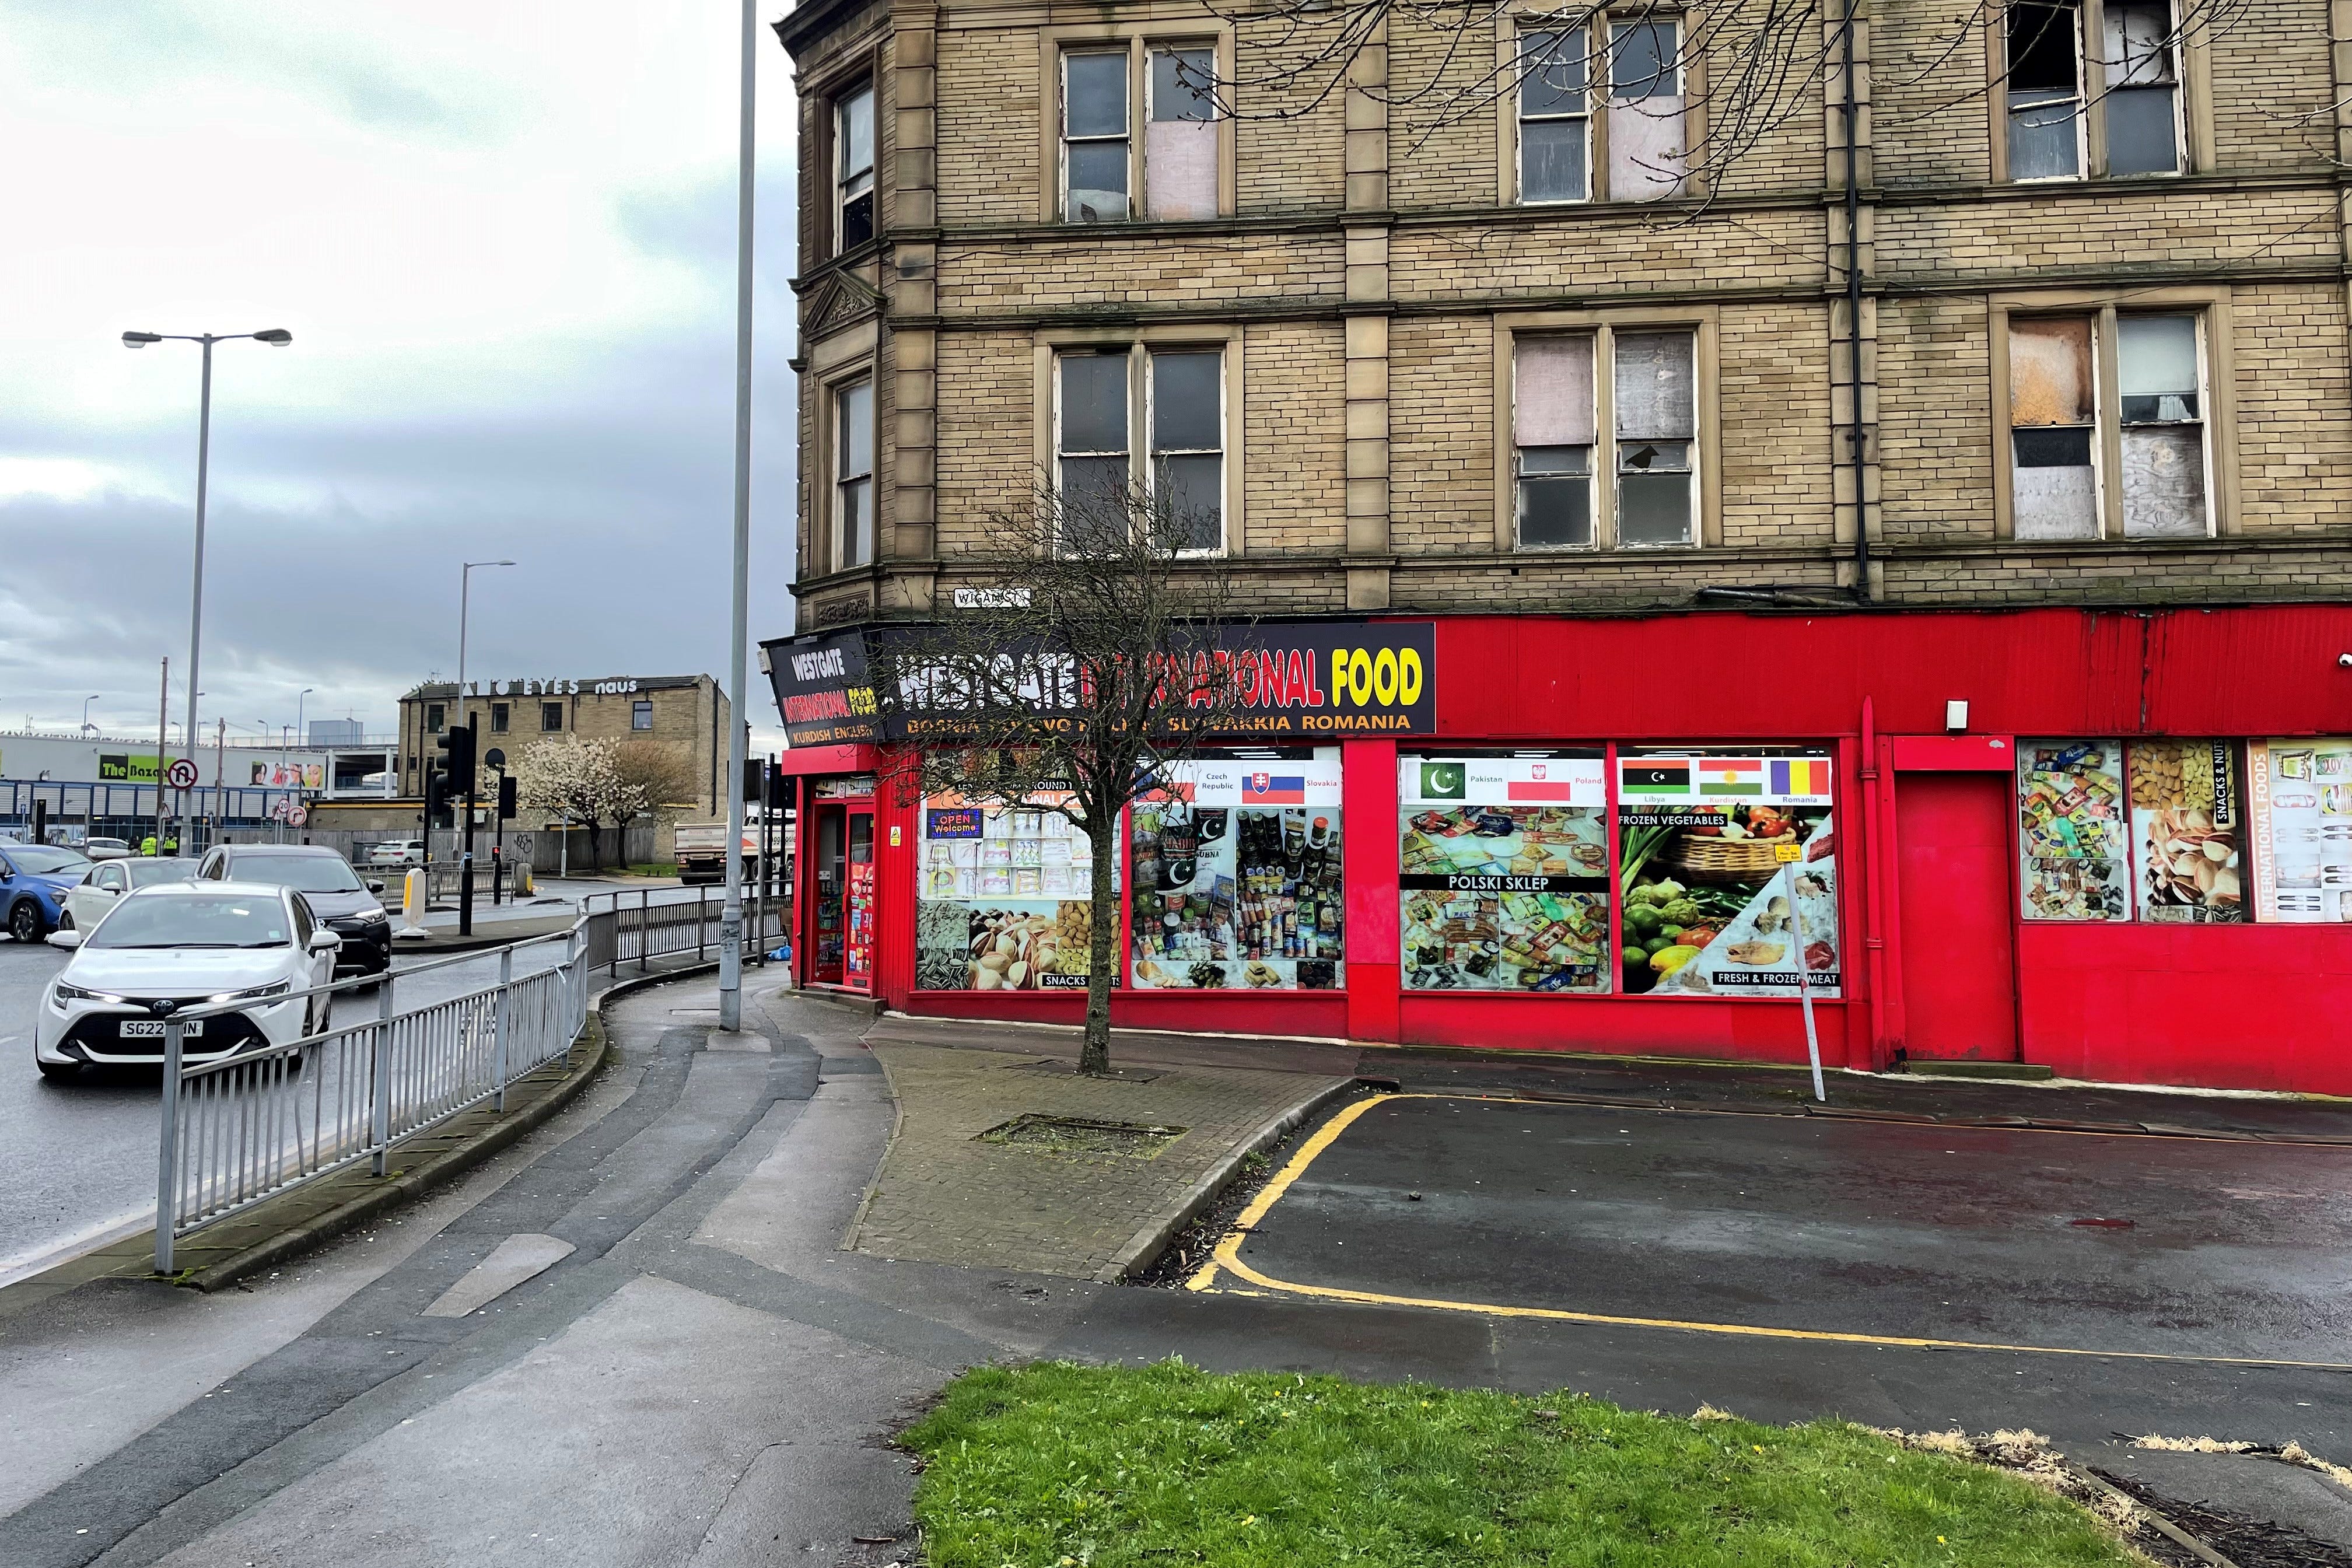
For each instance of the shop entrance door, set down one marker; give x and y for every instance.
(1959, 967)
(841, 901)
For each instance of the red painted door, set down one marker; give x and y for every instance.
(1959, 970)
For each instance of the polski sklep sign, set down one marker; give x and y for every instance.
(1316, 679)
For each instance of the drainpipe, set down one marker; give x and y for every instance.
(1853, 305)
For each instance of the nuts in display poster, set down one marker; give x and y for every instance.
(1237, 877)
(1502, 876)
(2073, 833)
(2299, 797)
(2188, 830)
(1728, 865)
(1003, 897)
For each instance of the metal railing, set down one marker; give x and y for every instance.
(643, 929)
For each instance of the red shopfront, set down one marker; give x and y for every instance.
(2129, 858)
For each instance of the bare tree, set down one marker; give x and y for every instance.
(1090, 651)
(1715, 80)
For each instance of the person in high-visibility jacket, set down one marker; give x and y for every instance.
(147, 845)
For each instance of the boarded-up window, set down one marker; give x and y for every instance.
(1657, 428)
(2157, 367)
(1552, 428)
(1555, 114)
(1095, 137)
(2053, 427)
(1180, 138)
(1188, 463)
(2045, 92)
(2143, 90)
(1645, 111)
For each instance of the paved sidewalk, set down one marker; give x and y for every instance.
(947, 1195)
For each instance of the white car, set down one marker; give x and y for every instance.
(103, 886)
(106, 848)
(398, 852)
(195, 943)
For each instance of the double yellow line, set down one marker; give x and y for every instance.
(1227, 1257)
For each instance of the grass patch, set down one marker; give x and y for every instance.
(1055, 1465)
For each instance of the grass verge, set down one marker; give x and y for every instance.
(1055, 1465)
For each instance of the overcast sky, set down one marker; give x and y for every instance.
(503, 233)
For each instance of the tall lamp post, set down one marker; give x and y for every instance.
(466, 856)
(277, 338)
(731, 913)
(85, 701)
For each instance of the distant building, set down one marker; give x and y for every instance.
(689, 712)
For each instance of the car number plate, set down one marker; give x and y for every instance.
(153, 1028)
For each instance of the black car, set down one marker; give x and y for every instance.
(342, 903)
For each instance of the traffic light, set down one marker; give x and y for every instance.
(456, 745)
(755, 780)
(437, 796)
(506, 797)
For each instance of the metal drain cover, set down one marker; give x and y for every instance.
(1078, 1135)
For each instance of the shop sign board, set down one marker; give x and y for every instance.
(2300, 795)
(1314, 680)
(123, 767)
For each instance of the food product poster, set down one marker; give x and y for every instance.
(1002, 898)
(1728, 862)
(1503, 873)
(857, 967)
(2073, 831)
(1236, 866)
(2189, 840)
(2299, 798)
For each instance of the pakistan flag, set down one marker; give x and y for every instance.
(1440, 781)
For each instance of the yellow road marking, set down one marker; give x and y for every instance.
(1228, 1257)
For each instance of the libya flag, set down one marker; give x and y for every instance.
(1441, 781)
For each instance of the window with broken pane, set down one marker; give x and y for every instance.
(1095, 144)
(1645, 110)
(2044, 86)
(2053, 427)
(1657, 436)
(1188, 462)
(1555, 117)
(1552, 430)
(853, 505)
(1179, 133)
(853, 143)
(2158, 372)
(2142, 100)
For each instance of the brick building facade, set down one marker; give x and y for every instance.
(1629, 430)
(688, 713)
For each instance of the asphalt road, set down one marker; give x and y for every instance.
(78, 1159)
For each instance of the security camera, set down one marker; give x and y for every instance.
(2344, 661)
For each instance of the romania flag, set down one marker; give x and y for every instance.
(1800, 775)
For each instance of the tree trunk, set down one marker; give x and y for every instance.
(1102, 938)
(596, 846)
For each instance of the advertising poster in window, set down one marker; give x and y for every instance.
(2072, 831)
(1504, 873)
(1237, 870)
(1003, 898)
(1729, 864)
(2187, 831)
(2299, 794)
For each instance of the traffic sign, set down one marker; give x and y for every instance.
(296, 816)
(281, 808)
(181, 775)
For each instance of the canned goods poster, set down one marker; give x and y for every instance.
(1004, 897)
(2301, 798)
(1728, 862)
(1237, 877)
(1503, 873)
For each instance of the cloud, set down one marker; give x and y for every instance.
(504, 240)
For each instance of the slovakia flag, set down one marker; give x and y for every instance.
(1273, 789)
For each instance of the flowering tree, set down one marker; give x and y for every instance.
(579, 781)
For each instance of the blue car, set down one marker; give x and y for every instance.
(34, 881)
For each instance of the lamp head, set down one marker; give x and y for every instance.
(141, 339)
(275, 337)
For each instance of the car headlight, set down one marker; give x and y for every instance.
(279, 988)
(66, 992)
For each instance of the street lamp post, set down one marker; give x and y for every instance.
(277, 338)
(731, 913)
(466, 856)
(85, 710)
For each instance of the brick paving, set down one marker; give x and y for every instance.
(945, 1197)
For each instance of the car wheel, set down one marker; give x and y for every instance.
(24, 922)
(65, 920)
(58, 1073)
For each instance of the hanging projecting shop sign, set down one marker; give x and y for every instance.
(1321, 680)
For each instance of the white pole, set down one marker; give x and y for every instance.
(1804, 981)
(730, 916)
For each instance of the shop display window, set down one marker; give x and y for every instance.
(2152, 830)
(1504, 873)
(1236, 868)
(1727, 863)
(1004, 897)
(2300, 800)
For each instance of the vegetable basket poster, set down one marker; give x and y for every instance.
(1728, 869)
(1504, 873)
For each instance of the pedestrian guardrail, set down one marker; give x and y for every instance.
(643, 929)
